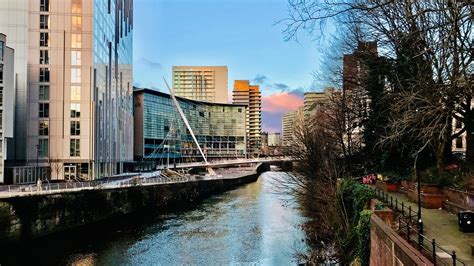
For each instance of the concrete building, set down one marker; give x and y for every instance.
(289, 123)
(273, 139)
(7, 101)
(160, 132)
(249, 95)
(201, 83)
(315, 100)
(73, 60)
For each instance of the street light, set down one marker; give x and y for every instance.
(418, 182)
(37, 161)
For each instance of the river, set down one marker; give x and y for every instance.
(252, 224)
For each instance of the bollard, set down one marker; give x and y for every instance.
(434, 251)
(454, 258)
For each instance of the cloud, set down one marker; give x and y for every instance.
(281, 102)
(281, 86)
(298, 92)
(260, 79)
(149, 64)
(276, 104)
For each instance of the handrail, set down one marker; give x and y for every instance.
(411, 218)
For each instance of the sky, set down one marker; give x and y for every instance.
(241, 34)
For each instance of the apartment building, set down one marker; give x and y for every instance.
(201, 83)
(7, 100)
(73, 65)
(249, 95)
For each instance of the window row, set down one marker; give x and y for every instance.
(76, 40)
(43, 110)
(75, 130)
(74, 147)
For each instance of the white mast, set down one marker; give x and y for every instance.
(180, 111)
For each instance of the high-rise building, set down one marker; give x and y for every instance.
(201, 83)
(289, 123)
(249, 95)
(73, 61)
(160, 132)
(273, 139)
(315, 100)
(7, 100)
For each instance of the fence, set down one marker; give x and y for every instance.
(406, 221)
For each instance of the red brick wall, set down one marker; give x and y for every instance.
(388, 248)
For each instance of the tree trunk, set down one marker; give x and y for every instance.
(440, 154)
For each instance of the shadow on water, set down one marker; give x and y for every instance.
(250, 224)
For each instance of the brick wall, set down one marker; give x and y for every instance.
(388, 248)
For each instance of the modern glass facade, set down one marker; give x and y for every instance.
(113, 91)
(161, 133)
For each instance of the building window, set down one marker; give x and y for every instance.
(44, 74)
(76, 23)
(75, 110)
(75, 93)
(44, 39)
(1, 102)
(459, 143)
(75, 75)
(76, 58)
(2, 48)
(43, 128)
(43, 110)
(1, 74)
(44, 22)
(44, 5)
(75, 128)
(44, 57)
(43, 147)
(76, 6)
(43, 92)
(76, 40)
(458, 124)
(75, 148)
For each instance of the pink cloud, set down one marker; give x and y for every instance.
(281, 102)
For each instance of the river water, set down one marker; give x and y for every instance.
(252, 224)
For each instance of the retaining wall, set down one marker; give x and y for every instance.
(388, 248)
(23, 218)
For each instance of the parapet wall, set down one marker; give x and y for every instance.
(388, 248)
(23, 218)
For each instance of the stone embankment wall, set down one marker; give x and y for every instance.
(23, 218)
(388, 248)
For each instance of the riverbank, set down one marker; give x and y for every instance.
(25, 218)
(250, 224)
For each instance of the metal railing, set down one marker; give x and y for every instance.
(50, 188)
(414, 234)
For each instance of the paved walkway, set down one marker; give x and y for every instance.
(443, 227)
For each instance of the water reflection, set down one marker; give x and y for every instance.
(248, 225)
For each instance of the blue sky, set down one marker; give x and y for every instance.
(240, 34)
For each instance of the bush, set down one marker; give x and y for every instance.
(362, 231)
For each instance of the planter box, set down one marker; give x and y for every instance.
(387, 187)
(386, 214)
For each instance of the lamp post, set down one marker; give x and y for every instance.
(418, 184)
(37, 161)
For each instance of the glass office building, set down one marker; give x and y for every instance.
(160, 132)
(74, 98)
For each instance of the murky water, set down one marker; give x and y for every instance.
(249, 225)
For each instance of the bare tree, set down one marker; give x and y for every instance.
(430, 46)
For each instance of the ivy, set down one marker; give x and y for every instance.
(362, 231)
